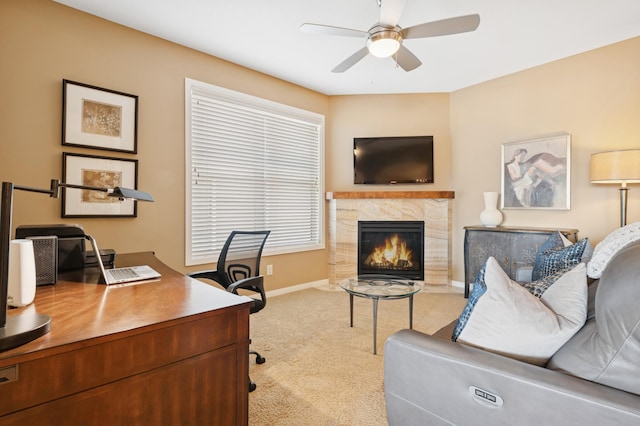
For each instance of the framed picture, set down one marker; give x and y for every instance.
(99, 118)
(101, 172)
(536, 173)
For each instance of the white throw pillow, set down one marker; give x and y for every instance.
(507, 319)
(606, 249)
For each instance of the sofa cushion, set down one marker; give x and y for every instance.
(606, 350)
(557, 254)
(446, 332)
(507, 319)
(606, 249)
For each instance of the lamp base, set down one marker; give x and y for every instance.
(23, 328)
(623, 205)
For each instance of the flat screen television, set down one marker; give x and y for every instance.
(389, 160)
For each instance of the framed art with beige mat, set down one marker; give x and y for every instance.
(536, 173)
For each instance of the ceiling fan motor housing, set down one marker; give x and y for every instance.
(384, 41)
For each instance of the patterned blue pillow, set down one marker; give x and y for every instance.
(552, 260)
(537, 288)
(553, 243)
(479, 288)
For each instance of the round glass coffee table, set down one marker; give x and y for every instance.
(376, 287)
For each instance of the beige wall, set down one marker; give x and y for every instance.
(42, 43)
(386, 115)
(594, 96)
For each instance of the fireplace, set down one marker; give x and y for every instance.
(434, 208)
(391, 248)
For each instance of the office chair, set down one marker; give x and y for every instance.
(238, 269)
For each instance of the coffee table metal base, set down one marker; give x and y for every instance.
(385, 287)
(375, 316)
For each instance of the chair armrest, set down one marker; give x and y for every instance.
(255, 284)
(429, 380)
(209, 275)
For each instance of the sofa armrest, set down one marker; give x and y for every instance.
(429, 380)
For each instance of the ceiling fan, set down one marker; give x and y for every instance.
(384, 39)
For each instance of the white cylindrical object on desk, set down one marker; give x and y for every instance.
(22, 273)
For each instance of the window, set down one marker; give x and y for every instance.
(251, 164)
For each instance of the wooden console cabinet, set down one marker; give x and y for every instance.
(172, 351)
(512, 247)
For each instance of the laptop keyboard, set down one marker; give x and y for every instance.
(123, 273)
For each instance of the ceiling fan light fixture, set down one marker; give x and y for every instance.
(384, 43)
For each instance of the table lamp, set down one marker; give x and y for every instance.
(620, 167)
(16, 330)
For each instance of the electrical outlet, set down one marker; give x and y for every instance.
(269, 269)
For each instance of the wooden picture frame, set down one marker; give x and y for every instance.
(536, 173)
(94, 117)
(98, 171)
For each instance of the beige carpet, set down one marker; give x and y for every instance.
(320, 371)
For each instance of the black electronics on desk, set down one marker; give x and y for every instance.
(59, 247)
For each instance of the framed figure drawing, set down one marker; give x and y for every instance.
(101, 172)
(536, 173)
(93, 117)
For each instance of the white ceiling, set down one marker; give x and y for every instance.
(264, 35)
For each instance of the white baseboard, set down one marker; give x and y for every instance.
(459, 284)
(281, 291)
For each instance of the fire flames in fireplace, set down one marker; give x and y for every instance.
(391, 247)
(393, 255)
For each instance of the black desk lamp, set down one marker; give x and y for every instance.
(16, 330)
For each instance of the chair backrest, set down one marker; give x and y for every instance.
(240, 255)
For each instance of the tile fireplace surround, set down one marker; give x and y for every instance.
(432, 207)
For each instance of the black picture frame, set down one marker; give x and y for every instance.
(97, 171)
(99, 118)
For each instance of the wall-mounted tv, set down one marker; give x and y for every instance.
(389, 160)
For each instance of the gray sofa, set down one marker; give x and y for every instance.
(594, 379)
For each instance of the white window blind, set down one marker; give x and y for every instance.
(252, 164)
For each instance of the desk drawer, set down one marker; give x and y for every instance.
(88, 365)
(202, 390)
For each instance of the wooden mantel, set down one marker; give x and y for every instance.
(389, 194)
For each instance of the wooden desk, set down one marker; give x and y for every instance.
(171, 351)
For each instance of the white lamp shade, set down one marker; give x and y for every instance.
(616, 167)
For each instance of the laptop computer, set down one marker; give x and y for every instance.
(122, 275)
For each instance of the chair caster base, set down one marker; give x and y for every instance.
(259, 358)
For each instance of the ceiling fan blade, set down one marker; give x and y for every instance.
(460, 24)
(407, 60)
(390, 11)
(351, 60)
(330, 30)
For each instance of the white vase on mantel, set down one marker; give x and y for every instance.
(490, 216)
